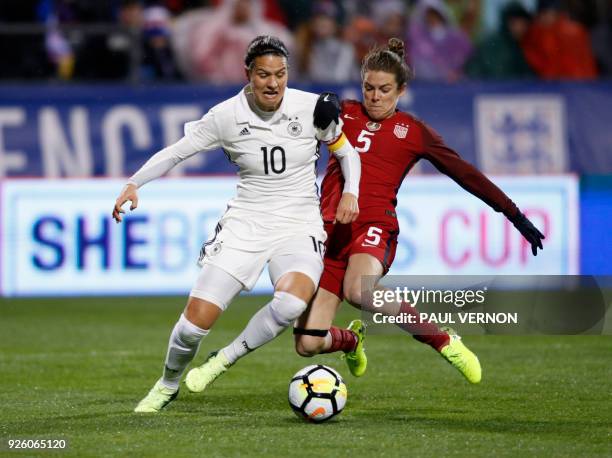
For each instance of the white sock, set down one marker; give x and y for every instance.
(265, 325)
(182, 348)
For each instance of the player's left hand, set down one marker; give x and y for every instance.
(348, 209)
(326, 110)
(529, 231)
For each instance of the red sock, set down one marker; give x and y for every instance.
(424, 332)
(342, 339)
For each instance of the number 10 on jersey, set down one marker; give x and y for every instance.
(274, 160)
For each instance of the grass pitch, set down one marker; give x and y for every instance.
(75, 368)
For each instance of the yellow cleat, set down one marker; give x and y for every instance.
(158, 398)
(460, 356)
(356, 360)
(199, 378)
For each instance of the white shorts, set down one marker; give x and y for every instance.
(243, 244)
(220, 288)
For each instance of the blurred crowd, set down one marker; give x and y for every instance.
(199, 40)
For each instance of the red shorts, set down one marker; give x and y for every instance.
(344, 240)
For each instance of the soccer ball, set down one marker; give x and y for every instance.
(317, 393)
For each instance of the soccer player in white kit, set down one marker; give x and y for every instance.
(272, 134)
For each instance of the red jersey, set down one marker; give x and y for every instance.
(388, 150)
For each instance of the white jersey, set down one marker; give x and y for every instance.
(275, 158)
(275, 215)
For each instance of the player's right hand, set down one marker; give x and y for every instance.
(130, 192)
(348, 209)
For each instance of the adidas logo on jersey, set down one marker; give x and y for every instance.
(245, 131)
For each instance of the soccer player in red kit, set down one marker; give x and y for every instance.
(390, 142)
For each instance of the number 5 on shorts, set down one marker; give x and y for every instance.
(373, 236)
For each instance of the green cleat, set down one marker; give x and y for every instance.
(199, 378)
(460, 356)
(158, 398)
(356, 360)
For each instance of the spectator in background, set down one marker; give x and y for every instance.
(491, 12)
(114, 55)
(467, 14)
(558, 47)
(354, 8)
(270, 10)
(297, 12)
(362, 33)
(323, 56)
(438, 49)
(209, 44)
(390, 18)
(158, 59)
(499, 55)
(59, 50)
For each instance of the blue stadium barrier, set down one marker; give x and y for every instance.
(503, 128)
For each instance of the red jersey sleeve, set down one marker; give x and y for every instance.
(447, 161)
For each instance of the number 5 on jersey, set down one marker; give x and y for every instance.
(363, 143)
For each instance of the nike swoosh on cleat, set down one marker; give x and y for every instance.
(326, 98)
(172, 398)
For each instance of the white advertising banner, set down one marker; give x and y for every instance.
(446, 231)
(58, 237)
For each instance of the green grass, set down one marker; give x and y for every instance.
(75, 368)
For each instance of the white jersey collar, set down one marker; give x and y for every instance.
(244, 114)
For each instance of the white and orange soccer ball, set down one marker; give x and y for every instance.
(317, 393)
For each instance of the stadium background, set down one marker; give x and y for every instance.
(84, 102)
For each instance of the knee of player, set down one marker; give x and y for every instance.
(308, 346)
(286, 307)
(187, 332)
(352, 293)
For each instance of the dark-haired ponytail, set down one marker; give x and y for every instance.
(388, 59)
(396, 46)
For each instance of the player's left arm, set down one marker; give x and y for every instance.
(447, 161)
(329, 129)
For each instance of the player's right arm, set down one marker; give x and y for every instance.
(201, 135)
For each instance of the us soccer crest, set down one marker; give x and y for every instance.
(294, 128)
(400, 130)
